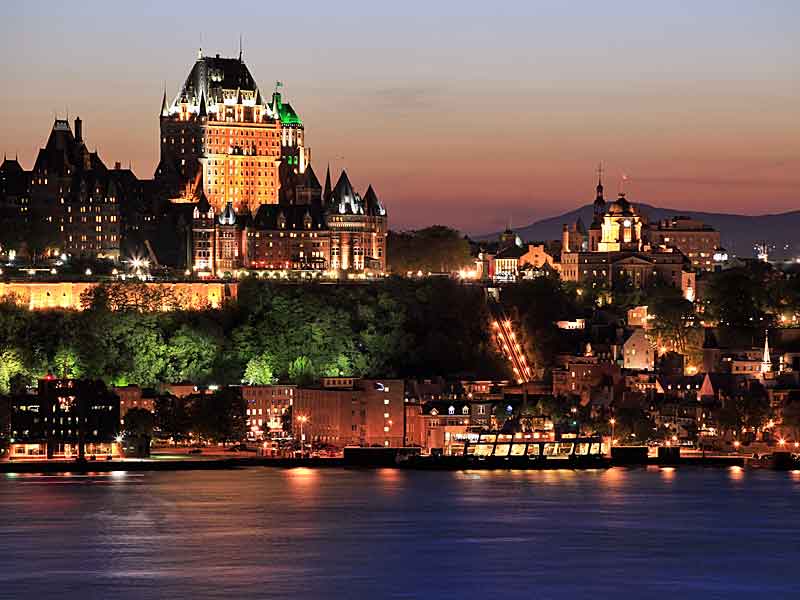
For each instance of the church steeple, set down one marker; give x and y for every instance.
(599, 188)
(766, 361)
(599, 200)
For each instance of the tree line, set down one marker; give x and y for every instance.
(393, 328)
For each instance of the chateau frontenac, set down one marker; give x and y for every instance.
(234, 189)
(243, 163)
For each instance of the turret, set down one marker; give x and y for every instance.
(164, 109)
(78, 130)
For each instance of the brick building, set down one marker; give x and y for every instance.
(344, 411)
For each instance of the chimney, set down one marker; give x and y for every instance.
(78, 130)
(117, 166)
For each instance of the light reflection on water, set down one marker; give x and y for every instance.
(303, 533)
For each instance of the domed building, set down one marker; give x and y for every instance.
(618, 249)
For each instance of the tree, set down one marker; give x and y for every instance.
(738, 297)
(172, 417)
(537, 305)
(219, 416)
(66, 363)
(139, 422)
(634, 424)
(301, 371)
(10, 365)
(190, 354)
(435, 249)
(259, 370)
(673, 326)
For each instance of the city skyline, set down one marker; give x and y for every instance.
(469, 121)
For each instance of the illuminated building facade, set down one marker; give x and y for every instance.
(358, 228)
(344, 411)
(45, 295)
(66, 418)
(337, 232)
(617, 249)
(219, 137)
(267, 406)
(696, 240)
(243, 162)
(73, 197)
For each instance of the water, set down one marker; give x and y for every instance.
(301, 533)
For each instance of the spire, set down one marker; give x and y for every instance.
(766, 361)
(164, 109)
(326, 195)
(600, 183)
(240, 47)
(202, 111)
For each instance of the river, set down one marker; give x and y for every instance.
(335, 533)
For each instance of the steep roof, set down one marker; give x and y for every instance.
(372, 204)
(284, 110)
(215, 78)
(344, 199)
(309, 178)
(228, 216)
(269, 215)
(11, 167)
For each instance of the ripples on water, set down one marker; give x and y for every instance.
(302, 533)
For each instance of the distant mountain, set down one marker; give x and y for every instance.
(739, 232)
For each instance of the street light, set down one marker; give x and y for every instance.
(613, 422)
(302, 419)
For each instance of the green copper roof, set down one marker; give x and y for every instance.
(285, 111)
(288, 115)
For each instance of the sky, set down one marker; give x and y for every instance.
(469, 114)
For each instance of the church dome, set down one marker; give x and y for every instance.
(621, 207)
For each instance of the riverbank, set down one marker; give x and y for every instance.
(424, 463)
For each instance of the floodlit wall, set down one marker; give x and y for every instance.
(65, 294)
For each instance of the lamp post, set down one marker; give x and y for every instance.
(613, 422)
(302, 419)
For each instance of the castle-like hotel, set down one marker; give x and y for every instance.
(234, 190)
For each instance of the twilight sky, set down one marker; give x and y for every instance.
(462, 113)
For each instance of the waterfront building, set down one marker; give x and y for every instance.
(342, 411)
(267, 407)
(66, 418)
